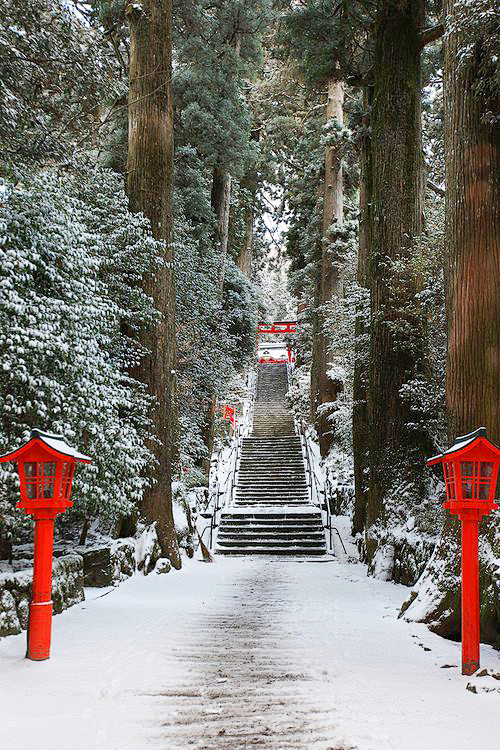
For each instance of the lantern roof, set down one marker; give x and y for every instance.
(464, 443)
(56, 445)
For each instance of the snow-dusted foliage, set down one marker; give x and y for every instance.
(476, 23)
(55, 74)
(72, 259)
(215, 333)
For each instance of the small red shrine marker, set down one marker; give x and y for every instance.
(46, 465)
(230, 414)
(470, 469)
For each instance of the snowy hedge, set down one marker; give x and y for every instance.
(70, 302)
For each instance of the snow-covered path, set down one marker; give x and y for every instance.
(247, 652)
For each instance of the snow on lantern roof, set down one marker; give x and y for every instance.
(465, 441)
(55, 443)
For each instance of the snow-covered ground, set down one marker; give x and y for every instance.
(242, 653)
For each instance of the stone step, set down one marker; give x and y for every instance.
(291, 439)
(267, 450)
(237, 533)
(269, 466)
(306, 514)
(264, 504)
(266, 539)
(277, 489)
(279, 469)
(260, 504)
(262, 491)
(278, 474)
(247, 484)
(274, 528)
(272, 499)
(275, 457)
(270, 477)
(270, 523)
(269, 499)
(276, 543)
(251, 459)
(288, 551)
(271, 514)
(270, 502)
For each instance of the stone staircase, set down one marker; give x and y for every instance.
(271, 514)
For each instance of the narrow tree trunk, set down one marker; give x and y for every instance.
(245, 255)
(360, 380)
(397, 338)
(149, 186)
(323, 388)
(221, 201)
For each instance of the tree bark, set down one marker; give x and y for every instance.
(323, 388)
(472, 149)
(397, 333)
(221, 202)
(249, 185)
(149, 187)
(245, 255)
(360, 425)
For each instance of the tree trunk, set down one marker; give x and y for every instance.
(249, 185)
(360, 379)
(397, 341)
(246, 252)
(472, 149)
(323, 388)
(221, 201)
(149, 187)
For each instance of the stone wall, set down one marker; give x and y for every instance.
(100, 564)
(15, 592)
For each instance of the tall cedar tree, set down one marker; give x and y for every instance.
(360, 376)
(472, 231)
(396, 339)
(149, 187)
(472, 148)
(324, 388)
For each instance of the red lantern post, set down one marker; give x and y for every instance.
(470, 469)
(46, 464)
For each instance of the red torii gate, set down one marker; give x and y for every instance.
(277, 327)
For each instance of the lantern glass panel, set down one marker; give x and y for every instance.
(484, 491)
(467, 490)
(67, 477)
(467, 469)
(486, 469)
(476, 479)
(449, 481)
(40, 477)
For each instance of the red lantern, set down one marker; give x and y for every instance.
(470, 469)
(46, 464)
